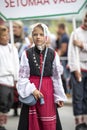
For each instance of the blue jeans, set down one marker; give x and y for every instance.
(66, 70)
(65, 76)
(79, 94)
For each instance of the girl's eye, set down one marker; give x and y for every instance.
(41, 34)
(38, 34)
(35, 34)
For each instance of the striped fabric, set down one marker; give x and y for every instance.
(43, 117)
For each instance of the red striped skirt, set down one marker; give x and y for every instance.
(43, 117)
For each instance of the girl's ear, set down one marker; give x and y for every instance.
(47, 40)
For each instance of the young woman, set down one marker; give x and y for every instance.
(9, 67)
(40, 117)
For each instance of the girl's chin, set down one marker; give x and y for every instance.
(85, 27)
(39, 44)
(5, 43)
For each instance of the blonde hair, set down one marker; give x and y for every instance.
(20, 24)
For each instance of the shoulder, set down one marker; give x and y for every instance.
(29, 49)
(79, 29)
(65, 38)
(12, 47)
(51, 51)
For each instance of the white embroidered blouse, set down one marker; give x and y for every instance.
(25, 87)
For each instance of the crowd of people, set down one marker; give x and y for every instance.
(65, 68)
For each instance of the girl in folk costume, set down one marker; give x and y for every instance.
(8, 73)
(40, 117)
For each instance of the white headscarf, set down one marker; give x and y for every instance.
(45, 28)
(46, 33)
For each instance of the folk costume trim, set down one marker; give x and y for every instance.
(35, 59)
(41, 61)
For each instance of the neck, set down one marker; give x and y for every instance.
(84, 28)
(3, 44)
(41, 47)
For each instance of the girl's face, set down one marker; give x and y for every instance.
(4, 38)
(38, 36)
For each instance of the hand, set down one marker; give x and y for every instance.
(60, 103)
(78, 43)
(3, 119)
(59, 52)
(37, 94)
(78, 76)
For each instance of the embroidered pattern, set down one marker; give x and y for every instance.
(35, 61)
(24, 72)
(49, 118)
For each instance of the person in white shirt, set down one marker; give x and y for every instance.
(9, 69)
(77, 60)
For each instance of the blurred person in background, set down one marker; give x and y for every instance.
(19, 40)
(77, 60)
(9, 68)
(22, 42)
(28, 40)
(62, 42)
(19, 36)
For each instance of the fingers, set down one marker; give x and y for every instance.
(37, 94)
(78, 43)
(75, 42)
(60, 103)
(3, 119)
(78, 76)
(41, 95)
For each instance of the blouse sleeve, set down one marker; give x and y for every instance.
(84, 46)
(16, 63)
(24, 86)
(72, 54)
(59, 94)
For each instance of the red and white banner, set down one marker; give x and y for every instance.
(21, 9)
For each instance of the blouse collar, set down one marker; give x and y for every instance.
(40, 51)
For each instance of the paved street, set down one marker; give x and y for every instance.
(67, 118)
(65, 115)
